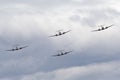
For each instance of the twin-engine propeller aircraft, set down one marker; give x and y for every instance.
(102, 28)
(61, 53)
(60, 32)
(17, 48)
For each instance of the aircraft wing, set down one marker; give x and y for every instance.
(109, 26)
(96, 30)
(67, 31)
(10, 50)
(56, 55)
(54, 35)
(23, 47)
(68, 52)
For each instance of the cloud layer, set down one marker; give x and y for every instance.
(94, 55)
(102, 71)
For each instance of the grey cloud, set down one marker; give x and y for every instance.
(98, 15)
(25, 21)
(102, 71)
(41, 3)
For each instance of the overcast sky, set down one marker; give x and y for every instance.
(95, 56)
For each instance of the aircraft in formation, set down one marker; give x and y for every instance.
(102, 28)
(16, 48)
(61, 53)
(60, 32)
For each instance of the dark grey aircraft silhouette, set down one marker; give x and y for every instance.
(102, 28)
(60, 32)
(61, 53)
(17, 48)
